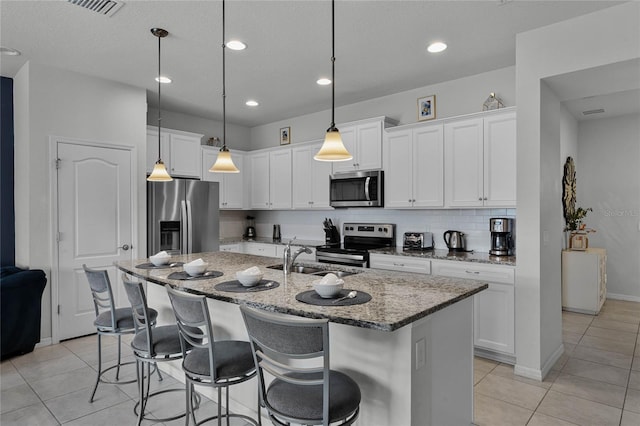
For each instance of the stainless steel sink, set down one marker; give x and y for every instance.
(313, 271)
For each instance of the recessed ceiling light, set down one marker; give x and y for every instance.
(323, 81)
(436, 47)
(163, 79)
(9, 51)
(252, 103)
(236, 45)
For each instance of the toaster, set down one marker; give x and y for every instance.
(418, 241)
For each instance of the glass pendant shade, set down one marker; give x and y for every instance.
(333, 149)
(224, 163)
(159, 173)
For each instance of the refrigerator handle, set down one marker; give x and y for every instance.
(183, 227)
(189, 228)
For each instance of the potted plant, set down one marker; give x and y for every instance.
(578, 230)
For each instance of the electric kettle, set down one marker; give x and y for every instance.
(454, 240)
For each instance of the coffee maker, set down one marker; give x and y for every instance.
(251, 228)
(501, 236)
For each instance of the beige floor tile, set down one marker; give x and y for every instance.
(608, 344)
(576, 318)
(636, 363)
(540, 419)
(634, 380)
(17, 397)
(578, 410)
(9, 376)
(493, 412)
(505, 370)
(36, 414)
(595, 371)
(602, 357)
(573, 338)
(632, 318)
(39, 355)
(482, 367)
(560, 363)
(568, 347)
(511, 391)
(614, 325)
(622, 304)
(632, 401)
(64, 383)
(593, 390)
(121, 414)
(629, 418)
(40, 370)
(607, 333)
(76, 404)
(571, 327)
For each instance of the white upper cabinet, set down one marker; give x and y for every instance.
(270, 182)
(180, 151)
(232, 188)
(363, 139)
(413, 162)
(480, 161)
(310, 178)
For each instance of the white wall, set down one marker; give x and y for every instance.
(575, 45)
(608, 180)
(568, 137)
(455, 97)
(238, 137)
(55, 102)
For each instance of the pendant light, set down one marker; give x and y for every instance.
(333, 149)
(159, 173)
(224, 163)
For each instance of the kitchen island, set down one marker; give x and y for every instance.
(410, 348)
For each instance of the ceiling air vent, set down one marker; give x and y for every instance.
(103, 7)
(593, 111)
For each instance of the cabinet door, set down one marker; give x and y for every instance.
(185, 156)
(400, 263)
(369, 146)
(302, 159)
(500, 160)
(494, 313)
(259, 180)
(398, 178)
(233, 184)
(428, 166)
(349, 135)
(152, 149)
(260, 249)
(320, 172)
(232, 248)
(464, 163)
(280, 179)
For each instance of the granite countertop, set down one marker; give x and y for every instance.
(398, 298)
(267, 240)
(438, 254)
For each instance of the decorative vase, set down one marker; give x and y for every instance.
(579, 241)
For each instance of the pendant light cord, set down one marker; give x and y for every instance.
(333, 65)
(159, 109)
(224, 91)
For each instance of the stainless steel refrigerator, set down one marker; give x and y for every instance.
(182, 216)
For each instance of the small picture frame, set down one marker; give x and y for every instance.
(285, 136)
(427, 108)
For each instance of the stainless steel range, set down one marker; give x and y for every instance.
(358, 239)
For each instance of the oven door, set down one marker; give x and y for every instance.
(357, 189)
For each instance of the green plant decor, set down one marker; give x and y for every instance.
(575, 218)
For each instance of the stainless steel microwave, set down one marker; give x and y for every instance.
(357, 189)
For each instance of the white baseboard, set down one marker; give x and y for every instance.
(539, 374)
(44, 342)
(623, 297)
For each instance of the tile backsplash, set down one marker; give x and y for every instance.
(307, 225)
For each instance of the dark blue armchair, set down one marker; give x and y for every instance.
(20, 309)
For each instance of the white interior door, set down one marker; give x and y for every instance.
(95, 228)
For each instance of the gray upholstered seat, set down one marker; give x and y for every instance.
(308, 392)
(110, 320)
(217, 364)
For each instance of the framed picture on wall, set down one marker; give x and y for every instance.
(285, 136)
(427, 108)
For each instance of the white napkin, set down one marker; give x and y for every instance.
(254, 270)
(161, 254)
(330, 279)
(196, 262)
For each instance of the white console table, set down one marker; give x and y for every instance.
(584, 280)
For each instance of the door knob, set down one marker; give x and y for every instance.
(125, 247)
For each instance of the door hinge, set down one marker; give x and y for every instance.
(58, 309)
(58, 237)
(58, 161)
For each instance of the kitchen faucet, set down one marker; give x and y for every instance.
(288, 259)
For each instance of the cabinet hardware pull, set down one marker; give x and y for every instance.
(398, 264)
(472, 272)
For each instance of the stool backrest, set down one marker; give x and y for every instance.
(101, 293)
(140, 310)
(278, 341)
(191, 312)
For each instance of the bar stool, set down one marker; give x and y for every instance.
(110, 321)
(150, 346)
(217, 364)
(312, 394)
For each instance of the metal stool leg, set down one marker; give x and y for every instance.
(119, 360)
(95, 388)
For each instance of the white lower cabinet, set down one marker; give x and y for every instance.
(494, 308)
(400, 263)
(260, 249)
(232, 248)
(584, 280)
